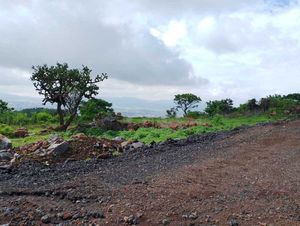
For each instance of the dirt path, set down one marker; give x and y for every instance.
(249, 176)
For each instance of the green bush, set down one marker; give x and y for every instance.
(20, 119)
(43, 117)
(219, 107)
(6, 130)
(94, 108)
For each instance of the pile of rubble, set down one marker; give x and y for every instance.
(56, 149)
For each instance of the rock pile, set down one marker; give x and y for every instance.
(56, 149)
(21, 132)
(55, 145)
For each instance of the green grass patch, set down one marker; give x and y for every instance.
(148, 135)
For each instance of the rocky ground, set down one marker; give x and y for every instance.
(249, 176)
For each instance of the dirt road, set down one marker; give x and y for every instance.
(249, 176)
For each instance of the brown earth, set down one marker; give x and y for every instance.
(249, 176)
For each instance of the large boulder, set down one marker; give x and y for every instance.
(5, 143)
(136, 145)
(110, 123)
(119, 139)
(5, 155)
(58, 149)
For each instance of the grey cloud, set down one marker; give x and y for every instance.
(67, 31)
(183, 7)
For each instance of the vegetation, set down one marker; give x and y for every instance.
(219, 107)
(218, 116)
(4, 107)
(149, 135)
(171, 113)
(94, 108)
(65, 87)
(186, 102)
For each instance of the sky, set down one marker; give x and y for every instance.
(152, 49)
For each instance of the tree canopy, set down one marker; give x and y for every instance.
(4, 107)
(186, 101)
(94, 107)
(219, 107)
(65, 87)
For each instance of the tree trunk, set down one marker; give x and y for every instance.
(73, 115)
(68, 122)
(185, 111)
(61, 115)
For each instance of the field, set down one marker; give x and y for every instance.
(148, 135)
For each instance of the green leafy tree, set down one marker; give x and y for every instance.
(95, 107)
(294, 96)
(219, 107)
(4, 107)
(265, 104)
(186, 102)
(66, 88)
(252, 105)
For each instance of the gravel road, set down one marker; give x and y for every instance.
(248, 176)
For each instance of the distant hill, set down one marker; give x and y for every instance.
(128, 106)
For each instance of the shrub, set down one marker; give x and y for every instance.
(20, 119)
(95, 108)
(193, 114)
(219, 107)
(6, 130)
(43, 117)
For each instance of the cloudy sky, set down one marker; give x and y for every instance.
(152, 49)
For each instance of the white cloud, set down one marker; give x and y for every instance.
(153, 50)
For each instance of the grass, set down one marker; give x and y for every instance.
(148, 135)
(34, 131)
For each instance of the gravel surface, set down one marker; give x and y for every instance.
(248, 176)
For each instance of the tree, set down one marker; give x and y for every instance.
(219, 107)
(294, 96)
(252, 105)
(171, 113)
(186, 101)
(265, 104)
(4, 107)
(94, 107)
(65, 87)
